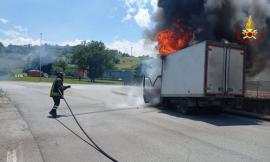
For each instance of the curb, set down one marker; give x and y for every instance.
(247, 114)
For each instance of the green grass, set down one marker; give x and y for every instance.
(70, 81)
(2, 93)
(127, 63)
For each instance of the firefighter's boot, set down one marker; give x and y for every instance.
(53, 113)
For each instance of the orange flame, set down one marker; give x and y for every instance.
(173, 39)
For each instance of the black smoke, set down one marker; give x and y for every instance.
(218, 20)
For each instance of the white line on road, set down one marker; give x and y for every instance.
(11, 156)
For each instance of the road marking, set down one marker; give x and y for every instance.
(11, 156)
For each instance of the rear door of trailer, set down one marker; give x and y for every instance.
(224, 70)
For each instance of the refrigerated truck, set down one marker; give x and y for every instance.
(208, 74)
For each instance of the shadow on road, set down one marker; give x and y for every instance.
(221, 119)
(206, 116)
(58, 116)
(102, 111)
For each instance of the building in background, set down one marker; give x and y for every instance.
(82, 74)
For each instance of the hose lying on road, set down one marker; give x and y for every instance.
(76, 134)
(97, 147)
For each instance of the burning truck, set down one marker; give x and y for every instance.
(195, 72)
(206, 74)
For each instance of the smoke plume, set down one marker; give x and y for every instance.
(218, 20)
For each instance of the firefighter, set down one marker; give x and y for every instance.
(57, 92)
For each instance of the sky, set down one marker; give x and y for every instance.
(117, 23)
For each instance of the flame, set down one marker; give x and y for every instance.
(173, 38)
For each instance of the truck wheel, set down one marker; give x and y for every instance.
(164, 102)
(185, 109)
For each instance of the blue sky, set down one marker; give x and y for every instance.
(118, 23)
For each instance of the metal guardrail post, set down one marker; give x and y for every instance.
(257, 89)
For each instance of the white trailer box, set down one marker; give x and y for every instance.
(205, 69)
(202, 75)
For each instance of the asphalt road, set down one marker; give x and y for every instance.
(118, 121)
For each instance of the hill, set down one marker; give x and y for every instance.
(127, 63)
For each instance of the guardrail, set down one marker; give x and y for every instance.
(258, 89)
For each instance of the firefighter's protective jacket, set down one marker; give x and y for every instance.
(56, 87)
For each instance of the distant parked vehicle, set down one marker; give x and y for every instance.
(35, 73)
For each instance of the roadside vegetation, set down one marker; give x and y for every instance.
(69, 80)
(93, 58)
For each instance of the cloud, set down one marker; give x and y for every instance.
(154, 4)
(17, 36)
(3, 21)
(142, 18)
(20, 28)
(10, 33)
(128, 17)
(72, 42)
(139, 48)
(20, 41)
(140, 11)
(17, 31)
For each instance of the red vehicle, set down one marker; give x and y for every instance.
(35, 73)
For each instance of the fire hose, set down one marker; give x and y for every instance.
(90, 139)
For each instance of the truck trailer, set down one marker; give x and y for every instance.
(207, 74)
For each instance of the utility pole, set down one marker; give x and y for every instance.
(131, 51)
(40, 56)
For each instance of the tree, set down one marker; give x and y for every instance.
(79, 57)
(47, 68)
(1, 47)
(59, 66)
(95, 58)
